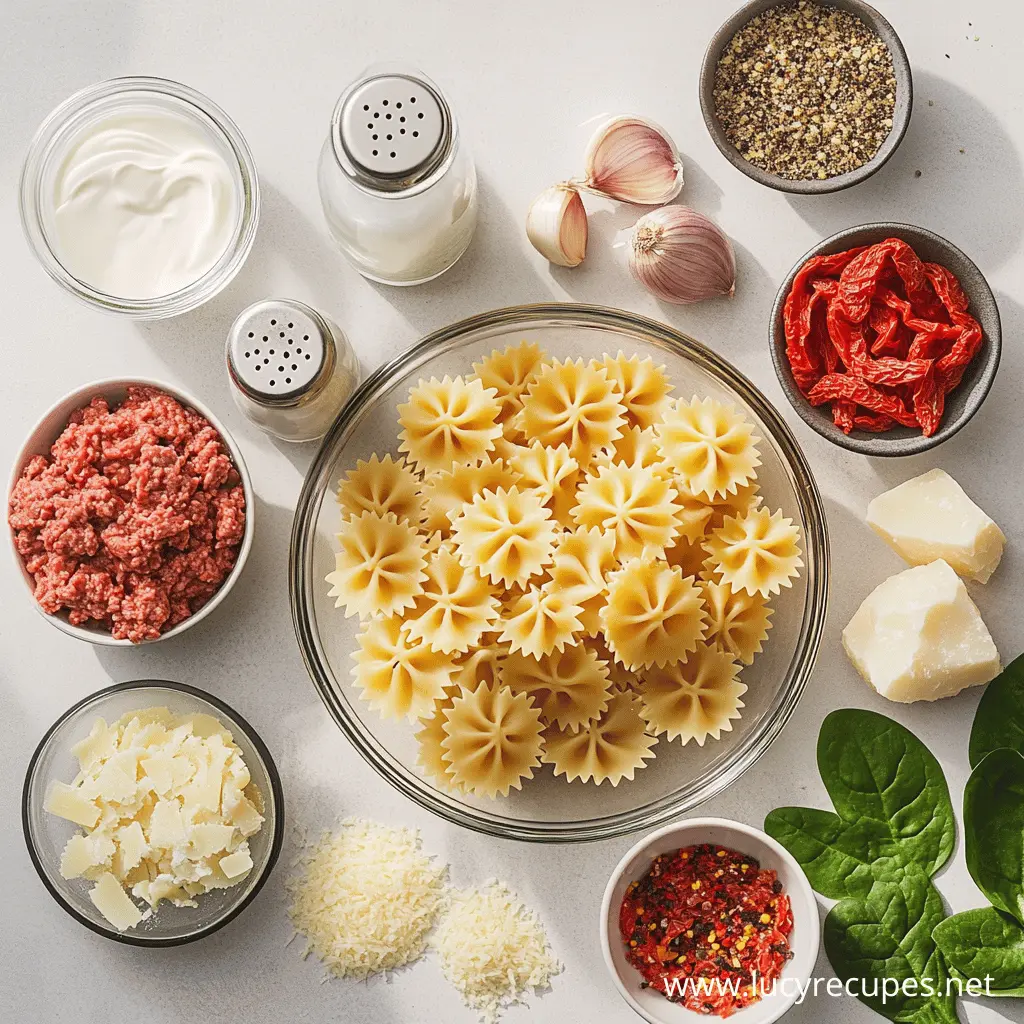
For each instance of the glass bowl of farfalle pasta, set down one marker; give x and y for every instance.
(559, 572)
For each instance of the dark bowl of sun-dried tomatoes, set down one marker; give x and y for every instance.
(886, 339)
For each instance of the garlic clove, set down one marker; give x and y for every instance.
(633, 160)
(556, 224)
(681, 256)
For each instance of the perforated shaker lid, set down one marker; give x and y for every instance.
(277, 349)
(391, 131)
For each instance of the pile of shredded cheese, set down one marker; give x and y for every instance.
(367, 898)
(493, 949)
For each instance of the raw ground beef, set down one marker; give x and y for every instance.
(136, 518)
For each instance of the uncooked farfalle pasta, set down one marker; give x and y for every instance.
(563, 568)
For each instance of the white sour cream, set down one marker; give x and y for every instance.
(144, 204)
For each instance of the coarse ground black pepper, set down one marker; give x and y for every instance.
(806, 91)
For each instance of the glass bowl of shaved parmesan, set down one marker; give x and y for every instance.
(153, 813)
(559, 572)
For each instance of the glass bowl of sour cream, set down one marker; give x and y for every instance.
(140, 197)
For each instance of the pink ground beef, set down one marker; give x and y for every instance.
(136, 518)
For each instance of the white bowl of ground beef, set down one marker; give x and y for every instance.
(130, 512)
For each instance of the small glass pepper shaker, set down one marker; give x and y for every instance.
(291, 368)
(398, 187)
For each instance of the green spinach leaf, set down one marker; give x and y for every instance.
(994, 830)
(892, 802)
(984, 944)
(884, 941)
(840, 858)
(999, 720)
(876, 770)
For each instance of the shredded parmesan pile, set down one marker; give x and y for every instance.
(367, 898)
(493, 949)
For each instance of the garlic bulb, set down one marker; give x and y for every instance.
(556, 224)
(633, 160)
(681, 256)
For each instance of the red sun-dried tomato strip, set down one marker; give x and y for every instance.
(843, 385)
(860, 278)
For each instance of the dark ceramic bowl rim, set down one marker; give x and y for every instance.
(275, 784)
(904, 83)
(883, 445)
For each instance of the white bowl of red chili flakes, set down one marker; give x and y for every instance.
(712, 899)
(130, 512)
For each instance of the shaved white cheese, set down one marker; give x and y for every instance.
(367, 898)
(493, 950)
(114, 903)
(149, 794)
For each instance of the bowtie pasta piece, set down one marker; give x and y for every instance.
(576, 405)
(444, 492)
(570, 687)
(550, 473)
(381, 486)
(635, 504)
(644, 386)
(430, 736)
(583, 561)
(758, 552)
(379, 569)
(541, 621)
(609, 749)
(482, 665)
(397, 675)
(506, 535)
(710, 444)
(653, 616)
(635, 447)
(493, 740)
(449, 421)
(739, 621)
(509, 372)
(693, 699)
(456, 607)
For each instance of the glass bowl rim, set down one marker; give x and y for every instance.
(665, 808)
(204, 110)
(277, 841)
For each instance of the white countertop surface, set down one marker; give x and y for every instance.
(523, 77)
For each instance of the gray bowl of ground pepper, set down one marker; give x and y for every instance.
(807, 97)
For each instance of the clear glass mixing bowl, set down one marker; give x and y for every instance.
(548, 809)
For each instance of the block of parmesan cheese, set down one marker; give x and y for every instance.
(932, 517)
(919, 636)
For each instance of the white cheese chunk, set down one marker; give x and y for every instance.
(131, 848)
(97, 746)
(919, 636)
(114, 903)
(932, 517)
(83, 854)
(210, 838)
(166, 829)
(236, 864)
(68, 802)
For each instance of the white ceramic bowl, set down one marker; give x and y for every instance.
(651, 1004)
(49, 428)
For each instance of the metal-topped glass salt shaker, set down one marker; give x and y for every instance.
(397, 184)
(291, 368)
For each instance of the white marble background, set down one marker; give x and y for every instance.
(523, 76)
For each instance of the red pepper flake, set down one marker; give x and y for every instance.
(715, 950)
(881, 335)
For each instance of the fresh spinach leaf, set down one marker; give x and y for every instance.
(892, 802)
(884, 942)
(840, 858)
(875, 770)
(994, 830)
(984, 944)
(999, 720)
